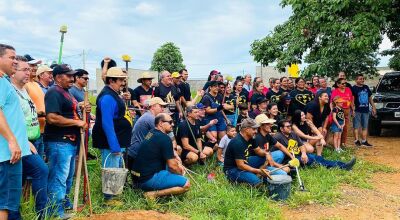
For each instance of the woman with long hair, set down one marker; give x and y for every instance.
(230, 100)
(301, 96)
(258, 88)
(273, 113)
(308, 133)
(284, 106)
(345, 93)
(318, 111)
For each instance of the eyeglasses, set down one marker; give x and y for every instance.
(309, 83)
(288, 126)
(85, 78)
(24, 70)
(343, 83)
(171, 122)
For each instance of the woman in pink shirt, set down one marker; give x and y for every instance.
(348, 105)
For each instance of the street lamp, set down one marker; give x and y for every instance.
(63, 30)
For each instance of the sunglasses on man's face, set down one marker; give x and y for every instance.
(85, 78)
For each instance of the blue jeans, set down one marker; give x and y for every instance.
(278, 156)
(312, 158)
(257, 161)
(10, 185)
(39, 145)
(113, 161)
(163, 180)
(34, 167)
(241, 176)
(61, 158)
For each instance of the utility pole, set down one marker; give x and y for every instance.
(84, 60)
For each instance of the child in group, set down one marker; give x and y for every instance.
(243, 114)
(338, 122)
(223, 144)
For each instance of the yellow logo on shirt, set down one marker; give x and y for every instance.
(293, 147)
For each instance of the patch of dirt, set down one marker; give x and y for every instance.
(136, 215)
(383, 202)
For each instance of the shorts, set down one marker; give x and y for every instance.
(186, 152)
(163, 180)
(360, 120)
(220, 126)
(335, 128)
(10, 185)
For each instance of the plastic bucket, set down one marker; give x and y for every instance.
(279, 187)
(113, 179)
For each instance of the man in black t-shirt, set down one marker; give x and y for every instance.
(155, 168)
(238, 165)
(188, 136)
(169, 94)
(295, 145)
(142, 93)
(61, 135)
(185, 87)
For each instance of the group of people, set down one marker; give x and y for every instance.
(159, 129)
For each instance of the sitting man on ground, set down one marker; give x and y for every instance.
(291, 140)
(237, 166)
(188, 136)
(155, 167)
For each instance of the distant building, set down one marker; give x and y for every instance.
(267, 72)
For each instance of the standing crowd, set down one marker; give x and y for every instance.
(159, 129)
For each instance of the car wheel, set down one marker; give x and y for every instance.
(374, 127)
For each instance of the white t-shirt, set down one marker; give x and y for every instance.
(223, 144)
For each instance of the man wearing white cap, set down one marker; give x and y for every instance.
(44, 76)
(113, 126)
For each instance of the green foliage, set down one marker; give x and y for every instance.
(167, 57)
(330, 36)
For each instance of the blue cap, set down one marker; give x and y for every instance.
(200, 106)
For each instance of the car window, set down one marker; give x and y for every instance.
(389, 83)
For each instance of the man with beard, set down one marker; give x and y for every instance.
(157, 171)
(237, 166)
(62, 137)
(169, 94)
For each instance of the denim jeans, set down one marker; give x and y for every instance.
(257, 161)
(39, 145)
(241, 176)
(113, 161)
(34, 167)
(61, 158)
(312, 158)
(10, 185)
(278, 156)
(163, 180)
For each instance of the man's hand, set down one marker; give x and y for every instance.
(200, 93)
(127, 95)
(323, 142)
(202, 155)
(304, 158)
(32, 148)
(373, 112)
(15, 151)
(213, 122)
(81, 124)
(107, 59)
(225, 106)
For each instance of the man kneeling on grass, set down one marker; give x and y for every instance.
(294, 144)
(237, 161)
(155, 154)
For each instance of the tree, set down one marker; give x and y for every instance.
(331, 36)
(167, 57)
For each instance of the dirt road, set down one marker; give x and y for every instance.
(382, 202)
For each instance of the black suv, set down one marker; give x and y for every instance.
(387, 101)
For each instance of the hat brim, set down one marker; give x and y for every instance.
(73, 72)
(268, 121)
(117, 76)
(140, 79)
(32, 62)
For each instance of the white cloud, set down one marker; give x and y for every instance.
(20, 6)
(385, 44)
(146, 9)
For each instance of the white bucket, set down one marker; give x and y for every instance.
(113, 179)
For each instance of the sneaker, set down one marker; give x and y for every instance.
(357, 143)
(339, 150)
(348, 166)
(67, 203)
(67, 216)
(365, 143)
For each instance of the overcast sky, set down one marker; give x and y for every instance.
(210, 34)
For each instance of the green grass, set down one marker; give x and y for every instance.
(223, 200)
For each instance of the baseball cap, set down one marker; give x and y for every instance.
(288, 97)
(190, 108)
(63, 69)
(249, 123)
(31, 60)
(116, 72)
(214, 72)
(263, 119)
(175, 75)
(260, 100)
(157, 100)
(43, 68)
(200, 106)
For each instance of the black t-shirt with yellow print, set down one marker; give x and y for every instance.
(300, 99)
(230, 100)
(238, 149)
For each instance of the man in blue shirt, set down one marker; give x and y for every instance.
(362, 100)
(113, 126)
(13, 136)
(81, 78)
